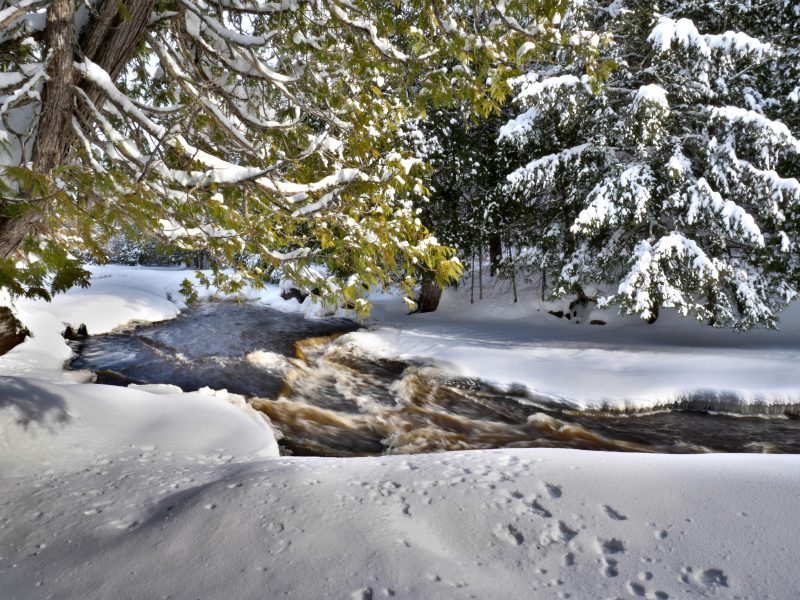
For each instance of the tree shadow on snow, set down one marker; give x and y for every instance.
(34, 404)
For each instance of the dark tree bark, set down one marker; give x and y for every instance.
(653, 315)
(55, 120)
(109, 39)
(52, 139)
(495, 253)
(12, 332)
(429, 295)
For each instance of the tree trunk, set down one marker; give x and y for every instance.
(472, 279)
(109, 39)
(480, 271)
(429, 295)
(12, 332)
(55, 120)
(495, 253)
(653, 314)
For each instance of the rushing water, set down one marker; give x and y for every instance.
(329, 400)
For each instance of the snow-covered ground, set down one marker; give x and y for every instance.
(109, 492)
(624, 364)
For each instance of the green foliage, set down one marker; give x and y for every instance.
(674, 184)
(274, 136)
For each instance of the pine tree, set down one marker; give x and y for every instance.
(675, 184)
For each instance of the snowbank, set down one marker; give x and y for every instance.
(118, 295)
(122, 519)
(44, 425)
(110, 492)
(624, 364)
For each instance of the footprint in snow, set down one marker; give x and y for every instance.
(714, 578)
(617, 516)
(610, 569)
(707, 577)
(509, 533)
(606, 547)
(363, 594)
(558, 532)
(553, 490)
(612, 546)
(540, 510)
(638, 590)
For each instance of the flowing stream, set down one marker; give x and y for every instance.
(328, 400)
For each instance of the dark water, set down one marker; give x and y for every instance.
(205, 346)
(330, 400)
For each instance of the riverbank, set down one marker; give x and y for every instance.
(111, 492)
(622, 365)
(169, 521)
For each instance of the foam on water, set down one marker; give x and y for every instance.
(329, 398)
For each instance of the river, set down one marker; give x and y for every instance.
(327, 400)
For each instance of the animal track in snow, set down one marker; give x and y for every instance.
(708, 577)
(509, 533)
(617, 516)
(557, 532)
(363, 594)
(553, 490)
(638, 590)
(610, 569)
(605, 547)
(540, 510)
(612, 546)
(713, 578)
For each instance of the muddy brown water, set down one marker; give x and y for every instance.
(328, 399)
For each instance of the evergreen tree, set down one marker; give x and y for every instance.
(237, 127)
(675, 184)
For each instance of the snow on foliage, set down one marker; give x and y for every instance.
(651, 93)
(684, 33)
(265, 132)
(677, 184)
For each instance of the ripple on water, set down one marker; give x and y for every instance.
(330, 401)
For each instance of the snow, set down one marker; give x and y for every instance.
(738, 222)
(546, 164)
(108, 492)
(652, 93)
(624, 365)
(219, 170)
(9, 79)
(518, 128)
(71, 424)
(683, 32)
(127, 517)
(605, 208)
(531, 88)
(118, 295)
(778, 133)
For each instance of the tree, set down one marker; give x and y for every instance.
(467, 166)
(242, 127)
(675, 184)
